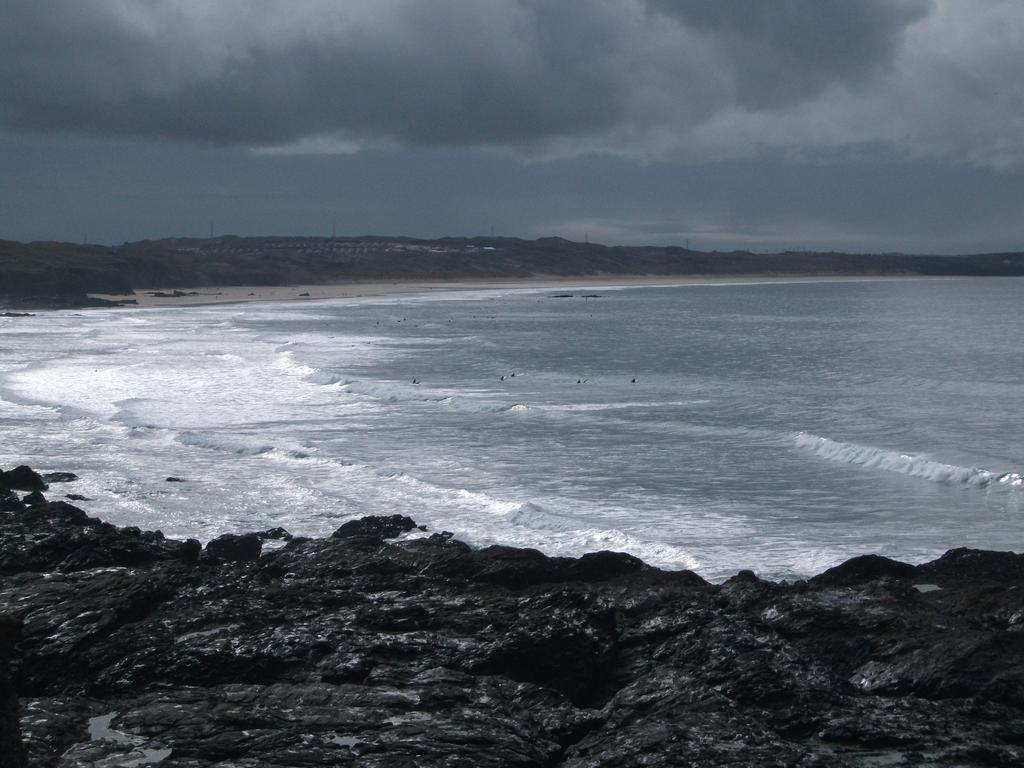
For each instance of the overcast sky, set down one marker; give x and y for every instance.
(860, 125)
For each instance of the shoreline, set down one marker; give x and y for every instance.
(194, 296)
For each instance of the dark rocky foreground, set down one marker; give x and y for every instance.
(363, 649)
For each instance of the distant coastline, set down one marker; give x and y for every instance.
(195, 296)
(66, 275)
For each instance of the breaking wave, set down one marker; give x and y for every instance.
(565, 535)
(533, 515)
(904, 463)
(480, 406)
(237, 446)
(395, 393)
(389, 392)
(324, 378)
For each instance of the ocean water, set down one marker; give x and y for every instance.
(777, 427)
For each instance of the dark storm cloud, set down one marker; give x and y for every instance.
(849, 124)
(787, 50)
(610, 74)
(67, 188)
(421, 73)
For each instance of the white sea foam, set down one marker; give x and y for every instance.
(286, 362)
(534, 515)
(227, 444)
(391, 392)
(470, 405)
(323, 378)
(904, 463)
(693, 467)
(564, 534)
(477, 517)
(621, 405)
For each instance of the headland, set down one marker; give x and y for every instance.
(188, 270)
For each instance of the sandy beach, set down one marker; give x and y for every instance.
(231, 294)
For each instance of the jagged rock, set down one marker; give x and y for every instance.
(377, 526)
(22, 479)
(60, 477)
(235, 547)
(10, 501)
(33, 499)
(275, 533)
(57, 536)
(517, 568)
(599, 566)
(864, 568)
(974, 564)
(512, 567)
(12, 754)
(356, 650)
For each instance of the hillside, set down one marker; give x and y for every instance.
(51, 273)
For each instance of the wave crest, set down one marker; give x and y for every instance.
(390, 392)
(394, 393)
(237, 446)
(324, 378)
(904, 463)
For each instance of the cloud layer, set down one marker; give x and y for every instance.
(657, 79)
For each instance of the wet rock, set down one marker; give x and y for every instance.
(56, 536)
(60, 477)
(11, 750)
(512, 567)
(517, 568)
(274, 533)
(22, 479)
(33, 499)
(50, 726)
(963, 564)
(235, 547)
(599, 566)
(362, 649)
(376, 526)
(10, 501)
(864, 568)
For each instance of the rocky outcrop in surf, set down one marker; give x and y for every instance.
(387, 645)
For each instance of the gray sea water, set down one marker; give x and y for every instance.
(777, 427)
